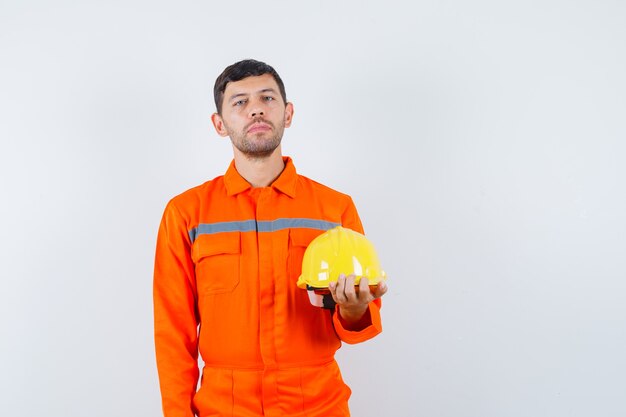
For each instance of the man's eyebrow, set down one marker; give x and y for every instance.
(264, 90)
(234, 96)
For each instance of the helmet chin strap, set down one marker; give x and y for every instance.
(321, 300)
(329, 302)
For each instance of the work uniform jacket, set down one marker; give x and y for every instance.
(227, 260)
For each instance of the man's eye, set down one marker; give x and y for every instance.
(239, 103)
(268, 98)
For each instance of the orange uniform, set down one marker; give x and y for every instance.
(227, 260)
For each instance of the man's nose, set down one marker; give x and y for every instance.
(256, 108)
(256, 111)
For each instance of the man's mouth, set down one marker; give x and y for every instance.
(259, 127)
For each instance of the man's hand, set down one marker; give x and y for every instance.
(353, 301)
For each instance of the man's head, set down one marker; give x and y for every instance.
(251, 109)
(240, 70)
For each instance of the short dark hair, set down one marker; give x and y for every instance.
(240, 70)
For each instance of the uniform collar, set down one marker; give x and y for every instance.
(285, 183)
(287, 180)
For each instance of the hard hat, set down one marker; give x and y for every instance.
(339, 251)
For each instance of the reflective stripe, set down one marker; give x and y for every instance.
(260, 226)
(287, 223)
(211, 228)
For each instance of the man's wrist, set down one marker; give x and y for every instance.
(353, 318)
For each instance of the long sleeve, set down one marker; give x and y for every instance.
(229, 256)
(371, 324)
(175, 316)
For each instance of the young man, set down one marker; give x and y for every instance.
(229, 253)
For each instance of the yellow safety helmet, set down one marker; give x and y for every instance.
(339, 251)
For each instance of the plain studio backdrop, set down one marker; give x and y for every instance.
(483, 143)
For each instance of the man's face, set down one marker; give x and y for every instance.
(254, 116)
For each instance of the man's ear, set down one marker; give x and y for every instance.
(288, 114)
(218, 124)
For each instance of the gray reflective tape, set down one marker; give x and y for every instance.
(287, 223)
(212, 228)
(261, 226)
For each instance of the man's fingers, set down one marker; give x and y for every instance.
(380, 290)
(332, 287)
(345, 291)
(339, 289)
(364, 290)
(363, 285)
(349, 290)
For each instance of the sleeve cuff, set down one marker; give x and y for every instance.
(370, 326)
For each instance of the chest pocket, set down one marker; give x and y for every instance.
(299, 240)
(217, 259)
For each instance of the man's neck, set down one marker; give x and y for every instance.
(260, 172)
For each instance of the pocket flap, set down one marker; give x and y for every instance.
(302, 237)
(217, 244)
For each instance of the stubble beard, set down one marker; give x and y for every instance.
(252, 145)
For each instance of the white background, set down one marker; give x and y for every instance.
(482, 141)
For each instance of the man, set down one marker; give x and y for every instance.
(229, 253)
